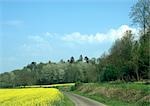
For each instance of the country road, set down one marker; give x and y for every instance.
(83, 101)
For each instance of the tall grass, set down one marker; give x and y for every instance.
(117, 94)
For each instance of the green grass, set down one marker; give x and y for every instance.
(116, 94)
(127, 86)
(136, 86)
(67, 102)
(105, 100)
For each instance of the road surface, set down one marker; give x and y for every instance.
(83, 101)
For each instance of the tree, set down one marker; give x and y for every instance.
(62, 61)
(93, 61)
(110, 73)
(72, 59)
(86, 59)
(32, 66)
(135, 59)
(80, 58)
(5, 80)
(144, 56)
(24, 77)
(120, 54)
(140, 14)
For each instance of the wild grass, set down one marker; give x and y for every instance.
(136, 86)
(117, 94)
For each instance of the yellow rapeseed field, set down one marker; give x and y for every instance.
(30, 97)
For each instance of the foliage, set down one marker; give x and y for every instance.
(109, 73)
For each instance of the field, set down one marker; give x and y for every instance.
(31, 97)
(50, 86)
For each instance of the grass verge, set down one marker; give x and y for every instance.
(105, 100)
(67, 102)
(112, 94)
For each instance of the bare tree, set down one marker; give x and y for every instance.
(140, 14)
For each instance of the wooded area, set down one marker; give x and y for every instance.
(127, 60)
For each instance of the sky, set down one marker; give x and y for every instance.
(43, 30)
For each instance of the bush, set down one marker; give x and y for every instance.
(77, 84)
(109, 73)
(72, 88)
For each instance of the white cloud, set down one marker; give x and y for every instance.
(111, 35)
(78, 37)
(50, 43)
(37, 39)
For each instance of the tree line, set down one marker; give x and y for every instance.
(49, 73)
(127, 60)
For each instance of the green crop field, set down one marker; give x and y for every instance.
(31, 97)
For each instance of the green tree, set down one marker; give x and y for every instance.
(120, 54)
(80, 58)
(144, 56)
(72, 60)
(135, 59)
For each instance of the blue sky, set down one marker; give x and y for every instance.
(34, 30)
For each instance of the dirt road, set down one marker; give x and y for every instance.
(83, 101)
